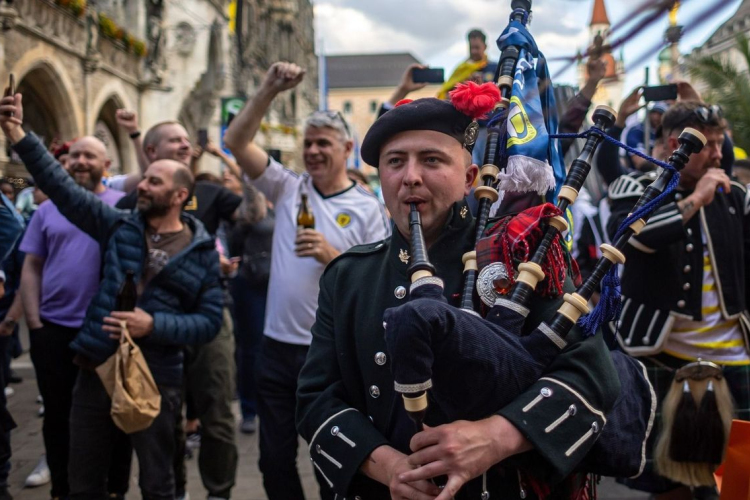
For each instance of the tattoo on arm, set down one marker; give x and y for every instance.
(687, 207)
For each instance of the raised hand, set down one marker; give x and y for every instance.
(631, 104)
(11, 117)
(212, 148)
(596, 69)
(283, 76)
(128, 120)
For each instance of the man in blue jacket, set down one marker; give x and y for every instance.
(180, 302)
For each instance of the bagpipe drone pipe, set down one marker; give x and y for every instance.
(472, 366)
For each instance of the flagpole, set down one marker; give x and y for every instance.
(322, 77)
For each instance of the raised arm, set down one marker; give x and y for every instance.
(80, 206)
(240, 136)
(128, 121)
(215, 150)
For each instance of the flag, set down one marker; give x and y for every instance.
(534, 161)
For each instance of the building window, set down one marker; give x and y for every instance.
(347, 107)
(373, 106)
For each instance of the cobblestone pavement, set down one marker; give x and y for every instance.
(27, 447)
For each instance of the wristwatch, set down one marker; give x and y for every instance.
(10, 322)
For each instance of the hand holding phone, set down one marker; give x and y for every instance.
(10, 90)
(428, 75)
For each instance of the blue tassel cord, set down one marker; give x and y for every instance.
(610, 304)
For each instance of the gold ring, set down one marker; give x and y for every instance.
(309, 245)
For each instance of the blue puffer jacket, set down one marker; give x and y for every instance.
(184, 299)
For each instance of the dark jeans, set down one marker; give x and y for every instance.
(278, 368)
(6, 425)
(6, 420)
(55, 376)
(249, 316)
(93, 436)
(209, 381)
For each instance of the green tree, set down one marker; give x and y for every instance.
(728, 86)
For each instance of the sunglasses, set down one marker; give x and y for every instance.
(708, 114)
(335, 115)
(705, 114)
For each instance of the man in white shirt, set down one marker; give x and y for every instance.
(345, 215)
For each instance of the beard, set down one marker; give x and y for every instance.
(150, 206)
(90, 179)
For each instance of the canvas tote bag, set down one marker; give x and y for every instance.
(136, 400)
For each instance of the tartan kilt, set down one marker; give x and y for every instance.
(660, 371)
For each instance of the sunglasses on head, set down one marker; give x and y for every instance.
(707, 114)
(335, 115)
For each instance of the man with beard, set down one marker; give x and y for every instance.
(60, 276)
(209, 368)
(685, 281)
(176, 269)
(345, 215)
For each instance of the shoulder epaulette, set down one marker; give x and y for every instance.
(626, 186)
(358, 250)
(739, 185)
(377, 246)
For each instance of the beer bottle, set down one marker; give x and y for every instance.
(128, 294)
(305, 218)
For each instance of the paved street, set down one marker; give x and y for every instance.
(28, 446)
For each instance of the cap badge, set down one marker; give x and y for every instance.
(470, 135)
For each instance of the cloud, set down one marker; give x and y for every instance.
(435, 30)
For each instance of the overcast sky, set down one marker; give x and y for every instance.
(434, 30)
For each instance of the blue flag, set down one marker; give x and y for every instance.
(534, 161)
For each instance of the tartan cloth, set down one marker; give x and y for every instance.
(660, 371)
(515, 238)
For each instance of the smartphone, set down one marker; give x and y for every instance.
(660, 93)
(202, 138)
(11, 89)
(428, 75)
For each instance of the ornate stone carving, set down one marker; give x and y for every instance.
(184, 38)
(8, 15)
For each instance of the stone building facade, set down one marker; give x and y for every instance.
(76, 63)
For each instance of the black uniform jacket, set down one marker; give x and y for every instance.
(663, 273)
(347, 405)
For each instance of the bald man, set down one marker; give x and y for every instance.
(176, 269)
(60, 276)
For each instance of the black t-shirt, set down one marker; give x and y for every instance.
(210, 204)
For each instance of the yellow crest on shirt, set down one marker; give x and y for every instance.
(343, 219)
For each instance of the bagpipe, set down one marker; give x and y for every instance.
(471, 365)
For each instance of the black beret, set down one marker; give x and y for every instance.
(421, 114)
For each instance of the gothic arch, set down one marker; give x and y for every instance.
(50, 94)
(102, 124)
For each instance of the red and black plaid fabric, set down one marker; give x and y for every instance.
(514, 239)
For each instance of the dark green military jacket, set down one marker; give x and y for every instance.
(346, 398)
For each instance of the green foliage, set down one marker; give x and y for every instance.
(729, 87)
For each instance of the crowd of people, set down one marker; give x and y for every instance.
(239, 299)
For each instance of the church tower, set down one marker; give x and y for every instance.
(610, 88)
